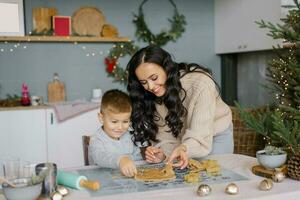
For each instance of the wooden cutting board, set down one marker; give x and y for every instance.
(42, 18)
(56, 92)
(88, 21)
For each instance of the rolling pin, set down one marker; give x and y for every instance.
(76, 181)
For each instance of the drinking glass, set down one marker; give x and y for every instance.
(11, 168)
(27, 169)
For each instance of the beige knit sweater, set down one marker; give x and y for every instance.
(207, 115)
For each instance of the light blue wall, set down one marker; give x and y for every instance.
(36, 64)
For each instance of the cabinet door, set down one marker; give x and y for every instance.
(65, 139)
(235, 27)
(228, 35)
(22, 135)
(256, 38)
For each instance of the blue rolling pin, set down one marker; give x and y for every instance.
(76, 181)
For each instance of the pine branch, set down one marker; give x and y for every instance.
(251, 122)
(297, 4)
(286, 130)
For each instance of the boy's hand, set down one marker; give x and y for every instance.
(154, 154)
(127, 166)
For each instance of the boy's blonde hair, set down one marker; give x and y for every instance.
(116, 101)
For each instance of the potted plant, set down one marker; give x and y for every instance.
(279, 131)
(271, 157)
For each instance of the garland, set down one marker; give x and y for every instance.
(111, 61)
(143, 33)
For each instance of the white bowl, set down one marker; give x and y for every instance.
(270, 161)
(23, 190)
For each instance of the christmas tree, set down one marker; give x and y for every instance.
(280, 124)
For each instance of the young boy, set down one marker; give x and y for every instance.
(112, 147)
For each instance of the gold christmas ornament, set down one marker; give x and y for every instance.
(232, 188)
(62, 190)
(203, 190)
(266, 184)
(57, 196)
(278, 177)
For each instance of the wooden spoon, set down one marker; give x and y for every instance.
(3, 180)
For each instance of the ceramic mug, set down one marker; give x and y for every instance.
(36, 100)
(97, 93)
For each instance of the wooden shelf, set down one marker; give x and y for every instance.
(43, 38)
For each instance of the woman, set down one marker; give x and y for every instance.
(177, 108)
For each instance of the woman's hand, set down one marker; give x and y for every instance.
(154, 154)
(180, 154)
(127, 166)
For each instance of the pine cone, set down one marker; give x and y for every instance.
(293, 167)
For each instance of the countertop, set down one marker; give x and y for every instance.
(25, 107)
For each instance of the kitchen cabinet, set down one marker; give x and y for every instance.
(35, 135)
(235, 27)
(22, 135)
(65, 139)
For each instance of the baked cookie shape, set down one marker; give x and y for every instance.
(212, 167)
(156, 174)
(192, 177)
(195, 166)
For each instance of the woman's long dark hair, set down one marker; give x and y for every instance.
(144, 113)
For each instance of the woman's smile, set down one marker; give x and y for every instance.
(156, 90)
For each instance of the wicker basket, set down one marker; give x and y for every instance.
(246, 141)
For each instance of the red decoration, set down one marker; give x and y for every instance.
(110, 64)
(25, 101)
(62, 25)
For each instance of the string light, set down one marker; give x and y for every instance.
(90, 53)
(12, 47)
